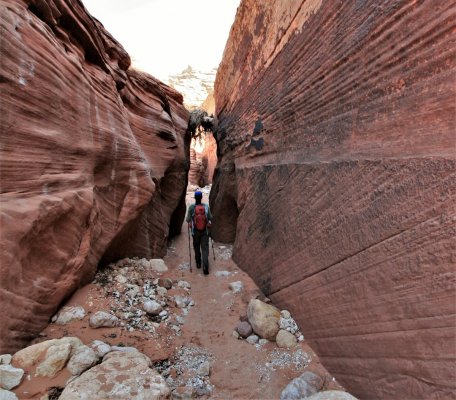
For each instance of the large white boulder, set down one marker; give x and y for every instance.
(264, 319)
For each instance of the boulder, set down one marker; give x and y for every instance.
(166, 283)
(158, 265)
(264, 319)
(152, 307)
(82, 359)
(102, 319)
(7, 395)
(55, 359)
(27, 357)
(68, 314)
(121, 376)
(10, 377)
(305, 385)
(286, 339)
(244, 329)
(332, 395)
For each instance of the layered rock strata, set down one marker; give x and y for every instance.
(336, 180)
(203, 159)
(93, 159)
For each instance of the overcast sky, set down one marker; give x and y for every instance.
(164, 36)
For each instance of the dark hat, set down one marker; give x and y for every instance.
(198, 194)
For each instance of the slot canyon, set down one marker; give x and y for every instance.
(330, 170)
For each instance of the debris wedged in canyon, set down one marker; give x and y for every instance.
(93, 162)
(336, 180)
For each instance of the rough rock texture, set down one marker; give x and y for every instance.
(264, 319)
(336, 179)
(121, 376)
(93, 163)
(302, 387)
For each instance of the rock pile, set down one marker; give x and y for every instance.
(268, 323)
(140, 298)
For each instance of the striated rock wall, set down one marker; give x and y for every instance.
(336, 179)
(203, 159)
(93, 160)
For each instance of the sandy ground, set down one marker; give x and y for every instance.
(239, 370)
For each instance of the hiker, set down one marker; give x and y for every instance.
(199, 221)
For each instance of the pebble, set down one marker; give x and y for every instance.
(285, 314)
(262, 342)
(236, 287)
(244, 329)
(165, 282)
(204, 369)
(121, 279)
(219, 274)
(184, 285)
(236, 335)
(102, 319)
(152, 307)
(285, 339)
(252, 339)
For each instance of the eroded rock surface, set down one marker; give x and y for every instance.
(93, 160)
(336, 179)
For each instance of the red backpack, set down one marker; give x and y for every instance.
(199, 217)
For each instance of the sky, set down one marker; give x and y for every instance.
(163, 37)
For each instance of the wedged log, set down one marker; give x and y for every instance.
(336, 146)
(93, 160)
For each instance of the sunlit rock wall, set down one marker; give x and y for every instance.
(93, 162)
(336, 179)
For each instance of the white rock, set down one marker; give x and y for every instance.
(120, 376)
(56, 357)
(301, 338)
(163, 313)
(183, 284)
(181, 301)
(6, 359)
(301, 387)
(100, 348)
(83, 359)
(103, 319)
(285, 339)
(236, 287)
(236, 335)
(252, 339)
(204, 369)
(125, 349)
(285, 314)
(121, 279)
(262, 342)
(288, 324)
(161, 291)
(331, 395)
(220, 274)
(264, 319)
(27, 357)
(7, 395)
(180, 320)
(158, 265)
(152, 307)
(68, 314)
(10, 377)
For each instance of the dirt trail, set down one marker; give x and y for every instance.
(239, 370)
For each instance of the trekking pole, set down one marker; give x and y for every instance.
(212, 243)
(189, 250)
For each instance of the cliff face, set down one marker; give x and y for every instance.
(93, 159)
(336, 179)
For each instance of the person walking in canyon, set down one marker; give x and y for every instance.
(199, 220)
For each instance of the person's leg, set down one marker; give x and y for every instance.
(205, 250)
(196, 248)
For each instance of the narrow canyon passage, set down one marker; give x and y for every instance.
(187, 338)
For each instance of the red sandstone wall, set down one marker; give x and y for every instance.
(337, 144)
(202, 161)
(92, 159)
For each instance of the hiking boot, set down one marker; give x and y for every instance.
(206, 269)
(198, 265)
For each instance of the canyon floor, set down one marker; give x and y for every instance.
(203, 333)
